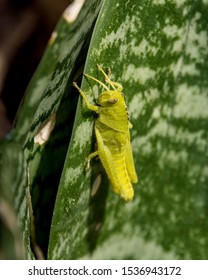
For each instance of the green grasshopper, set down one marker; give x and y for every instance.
(113, 137)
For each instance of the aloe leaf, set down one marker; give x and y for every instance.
(158, 51)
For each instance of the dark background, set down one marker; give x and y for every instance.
(25, 28)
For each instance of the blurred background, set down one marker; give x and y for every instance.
(25, 28)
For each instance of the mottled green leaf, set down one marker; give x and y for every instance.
(158, 51)
(45, 119)
(14, 215)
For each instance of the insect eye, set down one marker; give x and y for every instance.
(112, 100)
